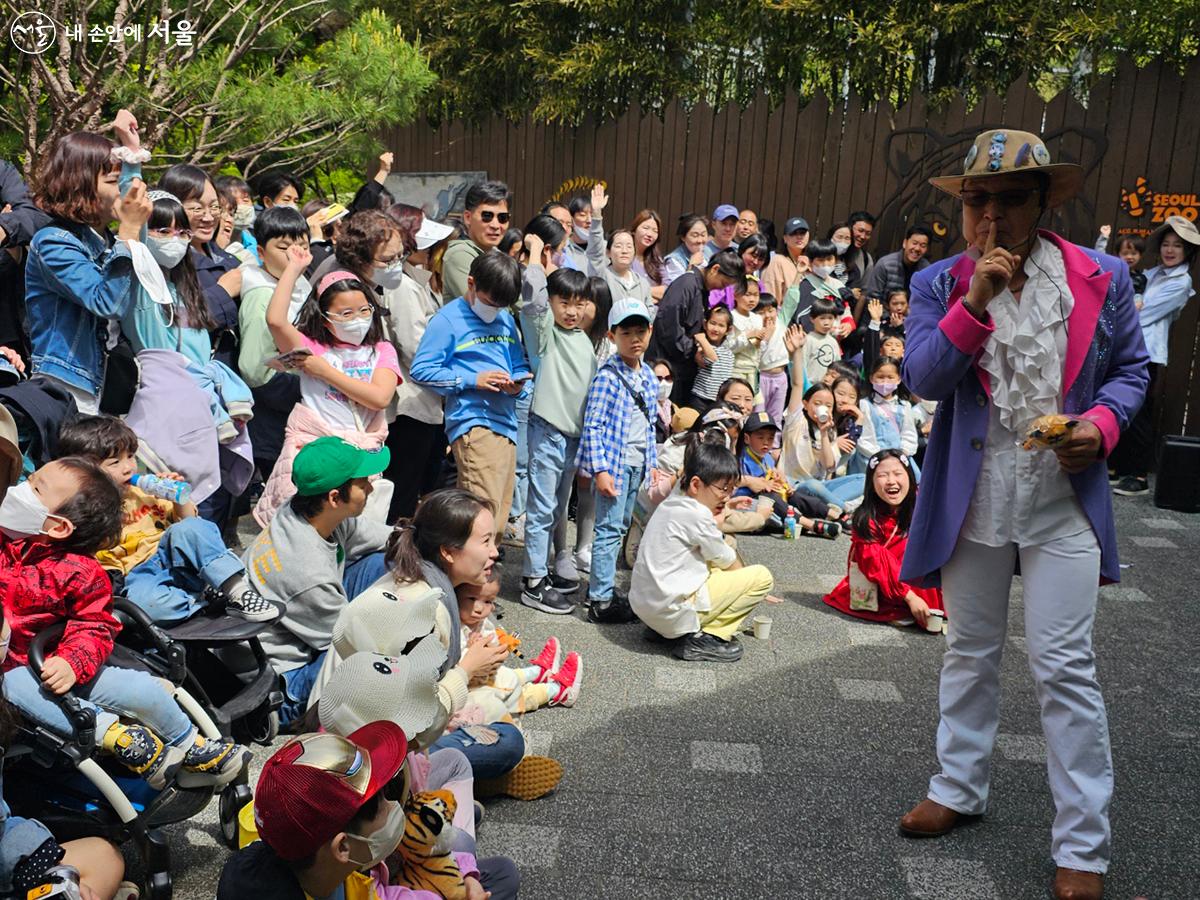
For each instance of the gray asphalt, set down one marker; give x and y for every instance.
(784, 775)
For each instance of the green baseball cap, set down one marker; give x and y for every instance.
(329, 462)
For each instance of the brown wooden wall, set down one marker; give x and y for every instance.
(823, 160)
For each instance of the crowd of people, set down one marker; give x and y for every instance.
(404, 406)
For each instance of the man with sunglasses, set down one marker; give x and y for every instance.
(485, 219)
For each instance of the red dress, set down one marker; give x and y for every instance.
(879, 560)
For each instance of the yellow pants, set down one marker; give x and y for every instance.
(733, 596)
(487, 466)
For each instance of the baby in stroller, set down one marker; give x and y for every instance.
(50, 527)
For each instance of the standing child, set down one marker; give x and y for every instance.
(688, 584)
(617, 449)
(888, 422)
(174, 563)
(872, 588)
(52, 525)
(714, 357)
(567, 362)
(772, 359)
(748, 334)
(817, 282)
(471, 354)
(821, 347)
(348, 372)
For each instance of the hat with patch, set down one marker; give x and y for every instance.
(757, 421)
(1002, 151)
(628, 308)
(795, 224)
(329, 462)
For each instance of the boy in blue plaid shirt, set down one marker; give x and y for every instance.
(617, 449)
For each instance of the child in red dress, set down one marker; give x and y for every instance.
(872, 588)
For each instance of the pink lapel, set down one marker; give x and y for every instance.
(961, 271)
(1088, 283)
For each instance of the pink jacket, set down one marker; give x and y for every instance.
(303, 426)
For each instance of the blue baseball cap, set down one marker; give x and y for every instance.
(725, 211)
(628, 308)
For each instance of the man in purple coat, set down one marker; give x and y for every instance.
(1021, 325)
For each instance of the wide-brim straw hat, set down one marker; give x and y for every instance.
(1005, 152)
(1185, 228)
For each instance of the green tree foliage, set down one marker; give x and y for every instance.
(309, 82)
(563, 59)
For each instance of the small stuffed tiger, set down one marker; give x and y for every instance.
(425, 865)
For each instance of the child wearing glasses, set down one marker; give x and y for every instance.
(348, 372)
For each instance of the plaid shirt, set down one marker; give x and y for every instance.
(610, 409)
(43, 586)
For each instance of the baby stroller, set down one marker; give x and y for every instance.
(60, 781)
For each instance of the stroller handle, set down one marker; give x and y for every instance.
(82, 718)
(174, 654)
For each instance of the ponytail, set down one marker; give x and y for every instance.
(443, 518)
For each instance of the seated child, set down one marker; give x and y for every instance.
(688, 584)
(174, 563)
(548, 679)
(52, 525)
(762, 479)
(872, 588)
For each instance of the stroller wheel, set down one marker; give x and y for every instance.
(158, 886)
(233, 799)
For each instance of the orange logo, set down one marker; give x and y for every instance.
(1140, 200)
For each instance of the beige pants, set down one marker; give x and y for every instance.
(487, 466)
(733, 595)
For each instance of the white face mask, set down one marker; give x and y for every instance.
(167, 252)
(389, 277)
(244, 216)
(23, 514)
(351, 332)
(842, 247)
(380, 844)
(485, 311)
(822, 271)
(581, 233)
(664, 389)
(884, 388)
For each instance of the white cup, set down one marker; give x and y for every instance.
(762, 627)
(935, 621)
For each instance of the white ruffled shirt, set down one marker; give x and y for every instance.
(1022, 496)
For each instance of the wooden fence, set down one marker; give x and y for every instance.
(1136, 137)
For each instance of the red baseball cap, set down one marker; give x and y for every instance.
(314, 784)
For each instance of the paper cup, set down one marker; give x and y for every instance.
(935, 621)
(762, 627)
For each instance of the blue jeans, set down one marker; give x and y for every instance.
(487, 760)
(356, 578)
(190, 557)
(111, 692)
(222, 386)
(835, 491)
(613, 515)
(551, 471)
(524, 401)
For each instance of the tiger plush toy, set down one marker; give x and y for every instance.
(426, 863)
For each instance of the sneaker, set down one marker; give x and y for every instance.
(540, 595)
(569, 679)
(1113, 477)
(562, 585)
(611, 612)
(583, 558)
(212, 762)
(564, 566)
(1131, 486)
(142, 751)
(514, 531)
(705, 647)
(821, 528)
(251, 606)
(548, 660)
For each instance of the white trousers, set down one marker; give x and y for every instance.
(1060, 580)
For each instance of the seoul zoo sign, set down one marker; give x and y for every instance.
(1141, 202)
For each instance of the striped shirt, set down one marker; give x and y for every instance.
(710, 377)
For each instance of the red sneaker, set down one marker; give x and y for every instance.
(569, 678)
(548, 660)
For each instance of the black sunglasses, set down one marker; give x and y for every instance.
(1005, 199)
(487, 215)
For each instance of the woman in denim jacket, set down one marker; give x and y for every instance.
(79, 278)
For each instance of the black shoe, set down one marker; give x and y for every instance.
(705, 647)
(562, 585)
(540, 595)
(1131, 486)
(653, 636)
(611, 612)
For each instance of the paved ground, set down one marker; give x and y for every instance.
(784, 775)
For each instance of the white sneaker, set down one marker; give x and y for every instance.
(564, 566)
(583, 558)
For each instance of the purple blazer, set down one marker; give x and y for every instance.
(1105, 377)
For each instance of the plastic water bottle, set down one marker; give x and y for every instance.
(789, 525)
(166, 488)
(61, 882)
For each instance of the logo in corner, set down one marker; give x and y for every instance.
(32, 33)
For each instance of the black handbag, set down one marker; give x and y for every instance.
(120, 381)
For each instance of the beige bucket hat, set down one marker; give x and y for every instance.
(1184, 228)
(1002, 151)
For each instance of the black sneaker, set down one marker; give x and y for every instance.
(1131, 486)
(252, 606)
(562, 585)
(611, 612)
(540, 595)
(705, 647)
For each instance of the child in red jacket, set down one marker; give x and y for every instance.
(50, 527)
(872, 588)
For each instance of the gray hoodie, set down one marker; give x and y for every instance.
(290, 563)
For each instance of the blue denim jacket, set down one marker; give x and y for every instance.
(76, 279)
